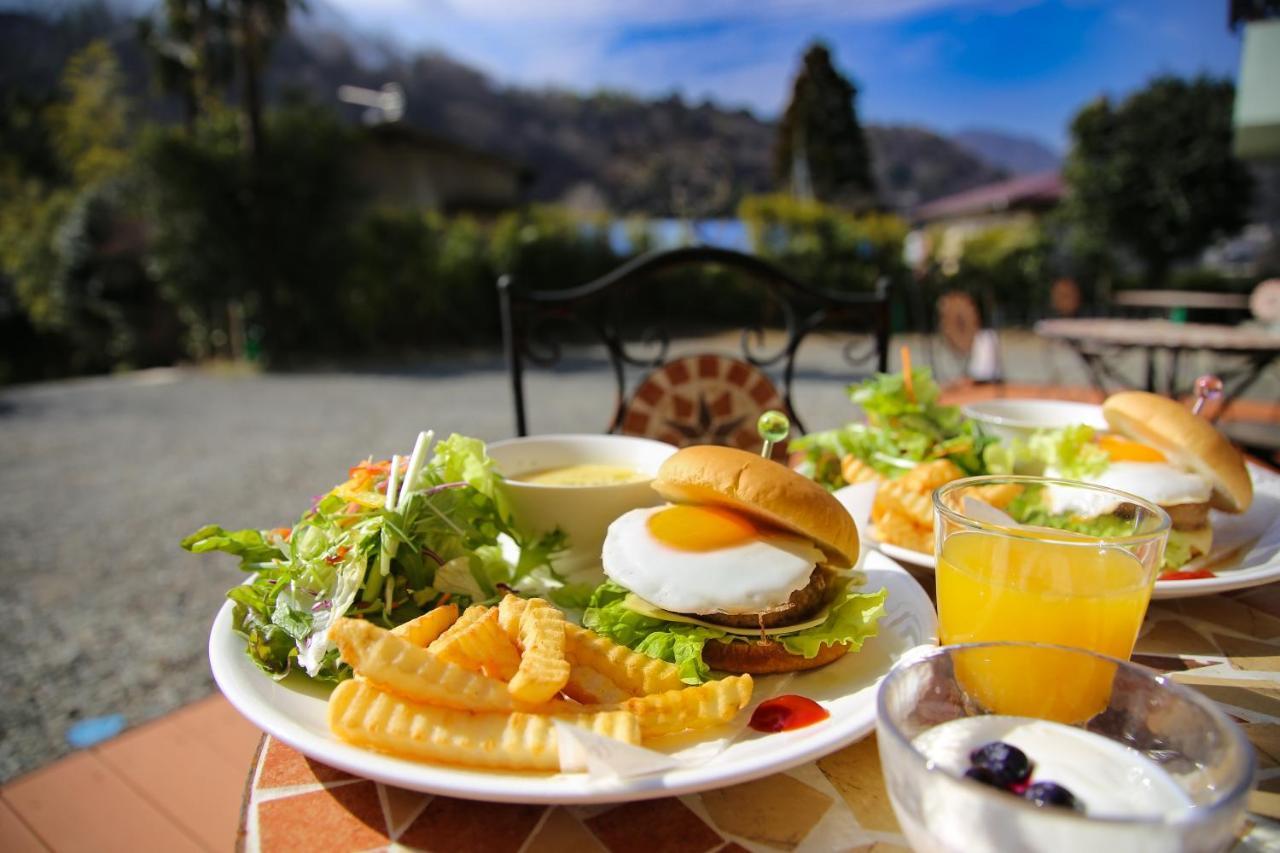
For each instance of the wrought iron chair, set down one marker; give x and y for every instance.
(528, 317)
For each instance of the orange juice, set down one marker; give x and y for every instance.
(1087, 595)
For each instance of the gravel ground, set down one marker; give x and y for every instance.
(104, 476)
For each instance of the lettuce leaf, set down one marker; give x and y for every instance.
(852, 620)
(1068, 452)
(1177, 552)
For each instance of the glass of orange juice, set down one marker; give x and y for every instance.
(1032, 559)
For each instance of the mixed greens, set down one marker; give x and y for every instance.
(905, 426)
(1069, 453)
(396, 539)
(851, 618)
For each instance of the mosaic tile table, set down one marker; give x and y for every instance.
(1226, 646)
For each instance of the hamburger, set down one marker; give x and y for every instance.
(1188, 468)
(747, 569)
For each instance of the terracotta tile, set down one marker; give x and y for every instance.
(683, 407)
(560, 832)
(79, 803)
(677, 372)
(1168, 637)
(221, 726)
(1231, 614)
(1263, 598)
(738, 374)
(649, 392)
(193, 765)
(777, 810)
(1265, 738)
(855, 773)
(651, 825)
(285, 766)
(402, 806)
(708, 365)
(461, 826)
(348, 817)
(763, 392)
(635, 423)
(1260, 701)
(17, 836)
(1250, 654)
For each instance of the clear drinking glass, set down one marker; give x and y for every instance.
(1158, 767)
(1077, 571)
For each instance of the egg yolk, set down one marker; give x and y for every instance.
(1124, 450)
(700, 528)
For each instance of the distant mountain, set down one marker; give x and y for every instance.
(1019, 155)
(631, 155)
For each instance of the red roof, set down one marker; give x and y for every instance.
(1035, 191)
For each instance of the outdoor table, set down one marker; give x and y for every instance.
(1096, 340)
(1175, 299)
(1227, 646)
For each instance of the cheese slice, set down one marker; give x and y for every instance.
(644, 608)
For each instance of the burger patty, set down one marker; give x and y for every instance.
(1188, 516)
(802, 605)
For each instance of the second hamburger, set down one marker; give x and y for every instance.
(747, 570)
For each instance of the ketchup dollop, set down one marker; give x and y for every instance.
(785, 713)
(1194, 575)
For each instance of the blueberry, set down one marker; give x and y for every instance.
(983, 775)
(1007, 764)
(1052, 794)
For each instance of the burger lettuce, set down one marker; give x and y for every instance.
(851, 619)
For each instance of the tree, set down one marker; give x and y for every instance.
(821, 151)
(188, 45)
(1155, 174)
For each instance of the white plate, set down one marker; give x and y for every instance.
(1246, 548)
(294, 712)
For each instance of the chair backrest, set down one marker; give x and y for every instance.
(528, 314)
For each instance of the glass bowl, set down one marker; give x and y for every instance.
(1159, 768)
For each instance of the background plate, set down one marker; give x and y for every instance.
(1246, 548)
(294, 711)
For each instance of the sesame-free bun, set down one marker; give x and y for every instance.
(1186, 440)
(763, 489)
(765, 658)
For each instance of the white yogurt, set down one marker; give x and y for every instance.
(1110, 779)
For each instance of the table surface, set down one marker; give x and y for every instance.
(1161, 333)
(1227, 646)
(1181, 299)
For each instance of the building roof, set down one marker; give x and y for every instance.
(1025, 191)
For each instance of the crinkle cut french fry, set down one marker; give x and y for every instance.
(427, 627)
(396, 665)
(474, 613)
(895, 529)
(543, 668)
(510, 609)
(591, 687)
(636, 673)
(999, 495)
(698, 707)
(361, 714)
(854, 470)
(927, 476)
(482, 645)
(898, 497)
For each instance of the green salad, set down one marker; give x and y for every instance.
(905, 426)
(398, 538)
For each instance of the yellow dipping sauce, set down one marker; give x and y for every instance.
(582, 475)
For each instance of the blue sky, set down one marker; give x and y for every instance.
(1016, 65)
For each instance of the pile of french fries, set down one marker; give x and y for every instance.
(902, 512)
(482, 688)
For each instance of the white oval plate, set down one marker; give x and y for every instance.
(1246, 548)
(294, 712)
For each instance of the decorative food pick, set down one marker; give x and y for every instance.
(773, 427)
(1208, 387)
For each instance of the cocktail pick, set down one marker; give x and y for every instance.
(1208, 387)
(773, 427)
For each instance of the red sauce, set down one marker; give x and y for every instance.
(786, 713)
(1198, 574)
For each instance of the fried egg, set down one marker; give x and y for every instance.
(706, 559)
(1157, 482)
